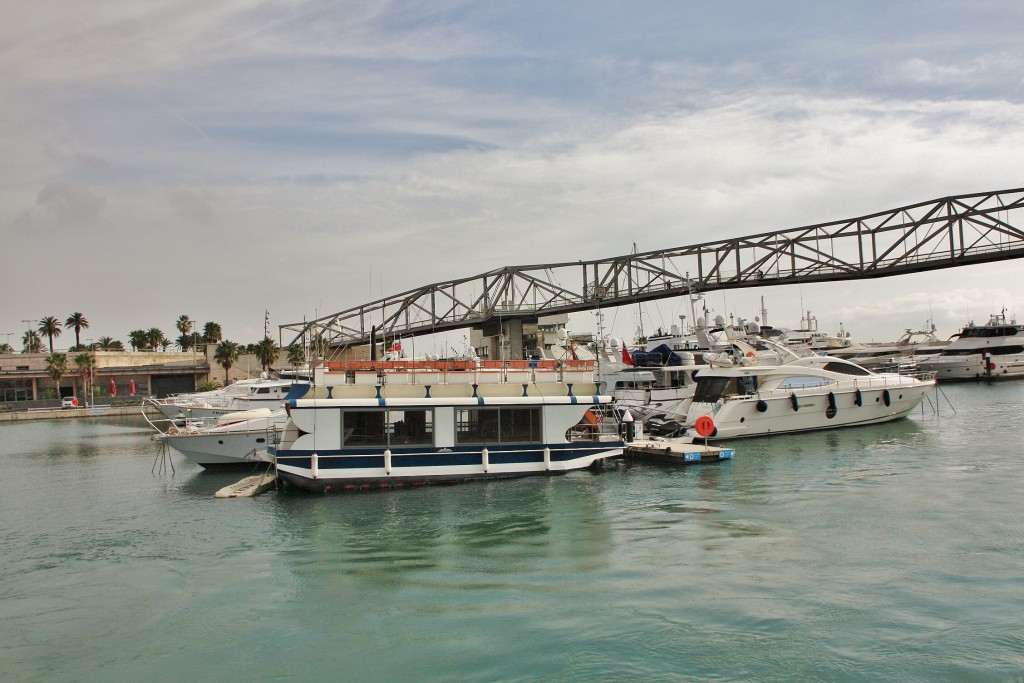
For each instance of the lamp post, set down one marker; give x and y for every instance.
(92, 372)
(195, 381)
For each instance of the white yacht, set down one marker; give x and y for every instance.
(234, 440)
(902, 352)
(246, 394)
(804, 394)
(991, 351)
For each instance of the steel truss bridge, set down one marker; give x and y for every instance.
(943, 233)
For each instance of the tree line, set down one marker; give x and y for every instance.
(226, 353)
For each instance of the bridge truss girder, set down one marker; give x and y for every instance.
(952, 231)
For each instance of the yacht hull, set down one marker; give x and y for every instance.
(767, 415)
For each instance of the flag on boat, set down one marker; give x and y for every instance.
(131, 387)
(626, 358)
(113, 388)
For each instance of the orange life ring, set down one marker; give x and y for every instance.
(704, 425)
(750, 354)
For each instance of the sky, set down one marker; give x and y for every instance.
(301, 157)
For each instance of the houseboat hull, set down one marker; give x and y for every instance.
(340, 471)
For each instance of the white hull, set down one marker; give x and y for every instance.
(223, 450)
(974, 367)
(742, 418)
(807, 394)
(393, 474)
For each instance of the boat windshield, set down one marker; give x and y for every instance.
(710, 389)
(977, 332)
(846, 368)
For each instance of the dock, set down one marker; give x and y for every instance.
(248, 487)
(676, 452)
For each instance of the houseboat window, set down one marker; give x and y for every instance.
(363, 428)
(747, 384)
(520, 425)
(410, 427)
(497, 425)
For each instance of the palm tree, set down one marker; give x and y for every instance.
(154, 338)
(139, 339)
(50, 326)
(77, 321)
(110, 344)
(85, 364)
(226, 354)
(296, 356)
(31, 342)
(6, 348)
(212, 333)
(184, 325)
(56, 366)
(267, 352)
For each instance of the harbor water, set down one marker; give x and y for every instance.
(893, 552)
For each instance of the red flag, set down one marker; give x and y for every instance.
(626, 358)
(113, 388)
(131, 387)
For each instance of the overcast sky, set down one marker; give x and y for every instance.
(220, 159)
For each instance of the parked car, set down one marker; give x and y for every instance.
(68, 402)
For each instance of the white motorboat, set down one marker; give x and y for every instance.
(233, 440)
(393, 424)
(804, 394)
(900, 353)
(991, 351)
(246, 394)
(808, 339)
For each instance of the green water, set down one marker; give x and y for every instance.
(881, 553)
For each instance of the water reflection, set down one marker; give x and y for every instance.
(461, 535)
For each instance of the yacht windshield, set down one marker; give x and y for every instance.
(710, 389)
(846, 368)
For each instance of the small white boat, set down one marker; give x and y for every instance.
(805, 394)
(991, 351)
(235, 440)
(246, 394)
(393, 424)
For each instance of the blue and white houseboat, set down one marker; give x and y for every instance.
(392, 424)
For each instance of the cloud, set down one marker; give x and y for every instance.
(67, 205)
(376, 147)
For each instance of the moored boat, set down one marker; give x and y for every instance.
(403, 423)
(233, 441)
(804, 394)
(246, 394)
(991, 351)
